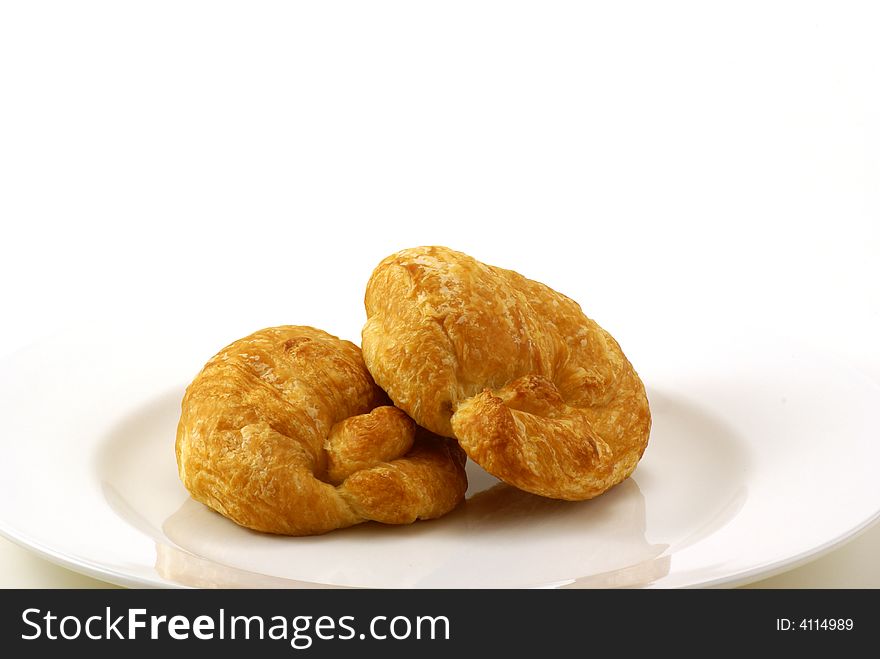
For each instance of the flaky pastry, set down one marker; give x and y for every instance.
(535, 392)
(285, 431)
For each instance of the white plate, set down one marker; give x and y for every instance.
(758, 460)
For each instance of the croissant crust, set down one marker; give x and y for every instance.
(535, 392)
(285, 431)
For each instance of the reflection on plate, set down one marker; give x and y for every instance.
(726, 491)
(543, 542)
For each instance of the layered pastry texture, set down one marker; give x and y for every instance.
(534, 391)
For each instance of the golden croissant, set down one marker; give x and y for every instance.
(285, 431)
(535, 392)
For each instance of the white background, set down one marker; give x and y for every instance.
(675, 167)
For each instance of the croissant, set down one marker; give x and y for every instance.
(285, 431)
(535, 392)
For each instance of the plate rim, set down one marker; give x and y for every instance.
(114, 577)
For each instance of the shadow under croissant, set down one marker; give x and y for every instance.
(488, 523)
